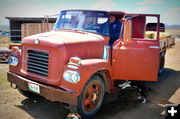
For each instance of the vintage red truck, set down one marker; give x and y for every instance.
(74, 64)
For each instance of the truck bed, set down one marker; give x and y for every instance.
(167, 43)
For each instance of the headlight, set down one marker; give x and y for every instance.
(13, 61)
(71, 76)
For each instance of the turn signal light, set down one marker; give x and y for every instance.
(15, 48)
(75, 60)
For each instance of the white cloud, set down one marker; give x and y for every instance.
(31, 10)
(18, 0)
(146, 2)
(143, 9)
(104, 4)
(27, 10)
(171, 16)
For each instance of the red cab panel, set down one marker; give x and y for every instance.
(138, 60)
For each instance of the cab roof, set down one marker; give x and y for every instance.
(108, 11)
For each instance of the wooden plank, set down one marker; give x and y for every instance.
(28, 29)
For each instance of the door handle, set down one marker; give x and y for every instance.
(155, 47)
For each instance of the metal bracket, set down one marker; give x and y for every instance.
(12, 85)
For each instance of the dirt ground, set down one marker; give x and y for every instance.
(120, 106)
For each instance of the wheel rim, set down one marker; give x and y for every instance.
(92, 96)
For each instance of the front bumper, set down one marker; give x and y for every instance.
(48, 92)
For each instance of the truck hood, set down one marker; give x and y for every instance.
(56, 38)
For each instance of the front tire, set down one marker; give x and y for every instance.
(90, 100)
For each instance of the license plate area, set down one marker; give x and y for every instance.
(34, 88)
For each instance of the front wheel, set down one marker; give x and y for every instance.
(90, 100)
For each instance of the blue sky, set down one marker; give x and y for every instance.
(168, 9)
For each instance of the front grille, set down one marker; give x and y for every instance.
(37, 63)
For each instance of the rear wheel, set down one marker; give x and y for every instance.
(90, 100)
(162, 62)
(27, 94)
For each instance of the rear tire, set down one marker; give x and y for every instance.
(90, 100)
(162, 62)
(27, 94)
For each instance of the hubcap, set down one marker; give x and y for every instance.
(92, 96)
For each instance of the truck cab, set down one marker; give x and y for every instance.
(74, 63)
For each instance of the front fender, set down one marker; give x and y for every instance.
(87, 68)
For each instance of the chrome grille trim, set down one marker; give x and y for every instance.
(38, 72)
(37, 58)
(37, 55)
(38, 68)
(37, 62)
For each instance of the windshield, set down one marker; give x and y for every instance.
(90, 21)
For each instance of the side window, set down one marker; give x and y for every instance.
(122, 30)
(101, 20)
(121, 27)
(151, 26)
(102, 25)
(142, 28)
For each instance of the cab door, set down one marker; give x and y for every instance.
(135, 59)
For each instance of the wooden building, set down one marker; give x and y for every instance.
(21, 27)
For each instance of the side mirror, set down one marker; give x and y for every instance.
(127, 31)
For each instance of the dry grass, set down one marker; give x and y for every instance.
(173, 30)
(4, 41)
(4, 28)
(3, 74)
(170, 31)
